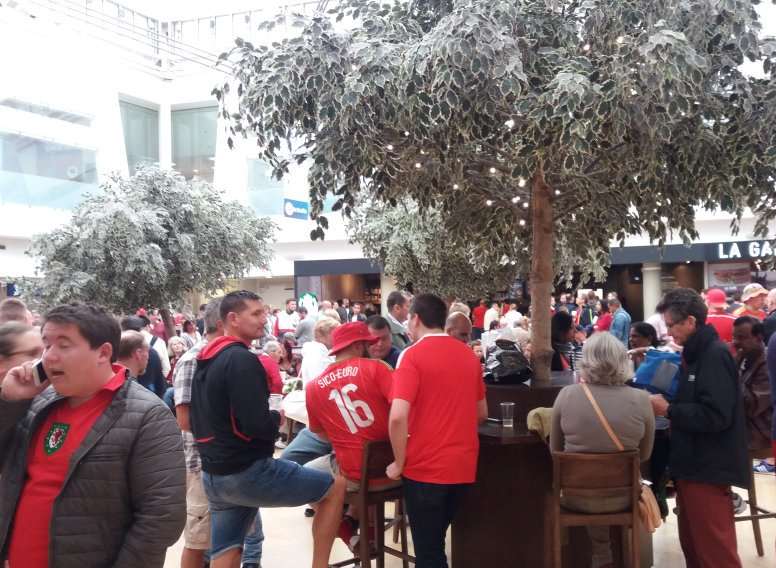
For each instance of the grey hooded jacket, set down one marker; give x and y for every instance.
(123, 502)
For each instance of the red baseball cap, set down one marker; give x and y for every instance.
(716, 298)
(346, 335)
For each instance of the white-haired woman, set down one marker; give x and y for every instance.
(576, 428)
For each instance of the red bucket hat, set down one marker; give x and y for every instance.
(346, 335)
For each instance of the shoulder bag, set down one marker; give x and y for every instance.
(649, 512)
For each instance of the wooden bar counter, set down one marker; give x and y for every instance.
(502, 522)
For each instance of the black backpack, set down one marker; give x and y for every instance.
(506, 365)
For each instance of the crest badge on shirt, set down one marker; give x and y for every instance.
(55, 438)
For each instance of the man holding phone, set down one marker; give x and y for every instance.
(84, 422)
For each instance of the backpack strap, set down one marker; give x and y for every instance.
(154, 339)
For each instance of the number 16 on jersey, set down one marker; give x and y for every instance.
(350, 408)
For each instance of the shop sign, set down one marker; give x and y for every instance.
(296, 209)
(743, 250)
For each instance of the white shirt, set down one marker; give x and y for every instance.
(288, 321)
(315, 359)
(490, 316)
(513, 318)
(161, 350)
(657, 321)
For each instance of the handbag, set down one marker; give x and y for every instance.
(649, 512)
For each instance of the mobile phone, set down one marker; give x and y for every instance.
(39, 373)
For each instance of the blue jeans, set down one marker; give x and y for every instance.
(266, 483)
(254, 542)
(431, 508)
(305, 448)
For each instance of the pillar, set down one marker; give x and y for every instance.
(652, 289)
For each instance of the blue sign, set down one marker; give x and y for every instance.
(296, 209)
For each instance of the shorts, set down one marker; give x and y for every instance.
(266, 483)
(328, 464)
(196, 534)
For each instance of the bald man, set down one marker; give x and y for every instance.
(459, 326)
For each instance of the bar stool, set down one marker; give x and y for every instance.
(596, 476)
(377, 457)
(756, 513)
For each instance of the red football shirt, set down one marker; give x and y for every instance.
(441, 378)
(349, 402)
(723, 323)
(274, 380)
(478, 314)
(53, 444)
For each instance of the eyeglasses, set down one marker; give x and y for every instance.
(669, 324)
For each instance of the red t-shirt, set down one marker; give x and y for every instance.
(723, 323)
(350, 402)
(274, 380)
(604, 322)
(441, 378)
(479, 316)
(52, 447)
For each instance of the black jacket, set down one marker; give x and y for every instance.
(708, 425)
(230, 416)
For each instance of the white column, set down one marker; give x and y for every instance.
(652, 289)
(165, 136)
(387, 285)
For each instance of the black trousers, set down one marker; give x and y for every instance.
(431, 508)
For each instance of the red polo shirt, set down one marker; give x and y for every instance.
(441, 378)
(52, 446)
(479, 316)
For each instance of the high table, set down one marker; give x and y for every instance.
(503, 521)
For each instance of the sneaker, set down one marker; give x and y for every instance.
(739, 505)
(347, 532)
(764, 467)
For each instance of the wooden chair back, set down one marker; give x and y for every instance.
(378, 455)
(596, 475)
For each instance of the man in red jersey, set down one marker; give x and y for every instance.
(92, 462)
(718, 317)
(348, 404)
(478, 320)
(438, 403)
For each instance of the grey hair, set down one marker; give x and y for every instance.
(212, 315)
(271, 347)
(605, 360)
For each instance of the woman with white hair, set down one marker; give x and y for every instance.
(576, 427)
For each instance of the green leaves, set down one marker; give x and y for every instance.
(637, 104)
(150, 240)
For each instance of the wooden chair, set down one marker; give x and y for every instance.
(756, 513)
(595, 476)
(377, 457)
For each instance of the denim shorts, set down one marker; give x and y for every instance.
(266, 483)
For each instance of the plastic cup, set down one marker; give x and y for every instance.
(508, 414)
(276, 402)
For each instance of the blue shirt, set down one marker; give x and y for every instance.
(620, 328)
(393, 357)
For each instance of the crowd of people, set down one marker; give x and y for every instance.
(115, 437)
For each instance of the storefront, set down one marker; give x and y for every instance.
(358, 279)
(642, 274)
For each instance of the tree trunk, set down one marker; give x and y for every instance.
(542, 276)
(169, 323)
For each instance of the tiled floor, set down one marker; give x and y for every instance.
(288, 541)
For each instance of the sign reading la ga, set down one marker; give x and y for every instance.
(750, 249)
